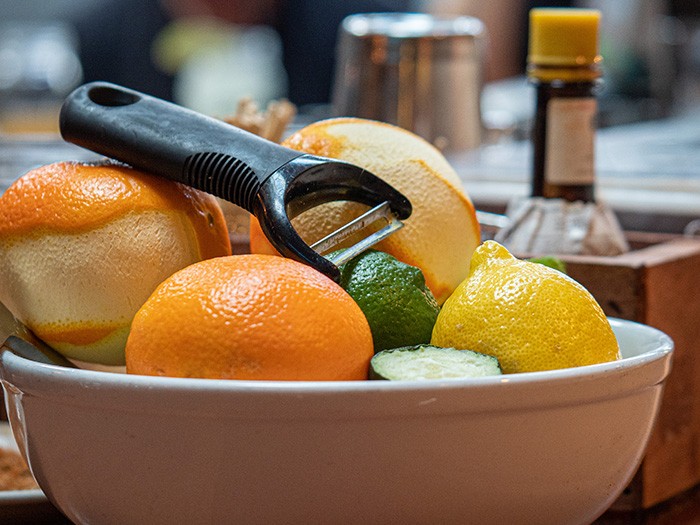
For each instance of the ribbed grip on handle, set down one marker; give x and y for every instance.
(222, 175)
(171, 141)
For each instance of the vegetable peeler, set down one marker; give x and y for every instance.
(272, 182)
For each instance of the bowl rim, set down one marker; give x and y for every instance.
(663, 347)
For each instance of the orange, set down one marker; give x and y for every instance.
(83, 246)
(250, 317)
(442, 232)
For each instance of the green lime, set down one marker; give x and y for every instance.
(551, 261)
(399, 307)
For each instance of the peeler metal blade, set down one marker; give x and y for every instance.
(381, 212)
(272, 182)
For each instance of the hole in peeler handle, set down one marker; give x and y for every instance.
(111, 97)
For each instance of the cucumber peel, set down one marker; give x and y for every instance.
(422, 362)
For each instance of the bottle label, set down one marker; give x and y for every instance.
(570, 136)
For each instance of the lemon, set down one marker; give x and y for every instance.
(527, 315)
(399, 307)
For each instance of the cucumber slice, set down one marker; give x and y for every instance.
(422, 362)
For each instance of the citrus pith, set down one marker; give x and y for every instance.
(83, 246)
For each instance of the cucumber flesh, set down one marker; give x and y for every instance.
(423, 362)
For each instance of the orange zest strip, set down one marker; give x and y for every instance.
(72, 197)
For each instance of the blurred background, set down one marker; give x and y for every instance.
(209, 54)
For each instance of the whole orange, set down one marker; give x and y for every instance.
(250, 317)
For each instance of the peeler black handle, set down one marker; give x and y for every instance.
(171, 141)
(270, 181)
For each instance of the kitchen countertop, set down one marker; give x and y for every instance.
(684, 509)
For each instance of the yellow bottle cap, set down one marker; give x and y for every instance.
(564, 37)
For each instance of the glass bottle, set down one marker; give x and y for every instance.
(564, 66)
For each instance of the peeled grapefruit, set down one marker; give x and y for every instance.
(442, 232)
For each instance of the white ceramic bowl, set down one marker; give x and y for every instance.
(548, 447)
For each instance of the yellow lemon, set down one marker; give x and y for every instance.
(441, 233)
(530, 317)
